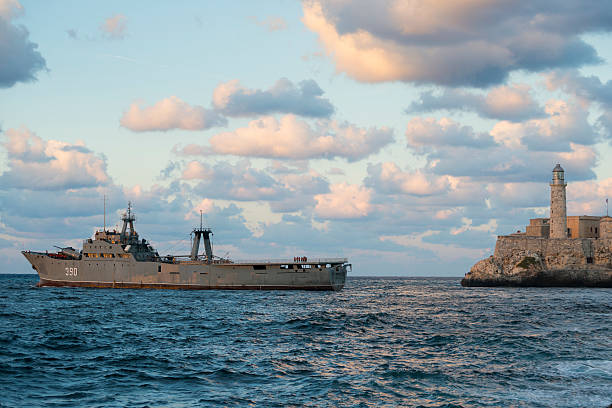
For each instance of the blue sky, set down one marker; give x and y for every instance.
(406, 138)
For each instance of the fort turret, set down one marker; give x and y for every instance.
(605, 227)
(558, 210)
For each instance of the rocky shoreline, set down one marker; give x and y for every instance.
(530, 261)
(591, 277)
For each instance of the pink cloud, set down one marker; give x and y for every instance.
(294, 138)
(167, 114)
(344, 201)
(34, 163)
(390, 178)
(115, 27)
(453, 43)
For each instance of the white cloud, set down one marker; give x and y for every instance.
(514, 103)
(389, 178)
(36, 164)
(232, 99)
(293, 138)
(170, 113)
(564, 124)
(343, 201)
(489, 227)
(422, 133)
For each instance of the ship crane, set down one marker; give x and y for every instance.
(198, 233)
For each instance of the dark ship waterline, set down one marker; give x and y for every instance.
(122, 260)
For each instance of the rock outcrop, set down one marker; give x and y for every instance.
(521, 260)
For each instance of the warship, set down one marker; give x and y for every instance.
(115, 259)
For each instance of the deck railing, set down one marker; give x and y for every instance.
(286, 261)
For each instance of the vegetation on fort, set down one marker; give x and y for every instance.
(527, 262)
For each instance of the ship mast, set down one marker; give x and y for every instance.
(198, 233)
(128, 219)
(104, 212)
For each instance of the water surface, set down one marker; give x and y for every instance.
(379, 342)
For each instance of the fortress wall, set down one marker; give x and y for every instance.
(560, 253)
(602, 252)
(507, 246)
(555, 253)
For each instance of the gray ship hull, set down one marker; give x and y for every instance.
(129, 273)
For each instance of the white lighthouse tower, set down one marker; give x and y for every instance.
(558, 210)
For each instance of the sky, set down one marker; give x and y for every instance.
(404, 135)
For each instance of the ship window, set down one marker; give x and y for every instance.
(305, 266)
(259, 267)
(284, 266)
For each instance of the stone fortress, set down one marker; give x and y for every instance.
(557, 251)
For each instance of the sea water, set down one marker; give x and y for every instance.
(378, 342)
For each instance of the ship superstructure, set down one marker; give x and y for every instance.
(124, 260)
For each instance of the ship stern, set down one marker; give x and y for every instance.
(337, 276)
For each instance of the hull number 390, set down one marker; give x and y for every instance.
(71, 271)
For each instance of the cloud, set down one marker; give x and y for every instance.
(423, 133)
(587, 89)
(389, 178)
(513, 103)
(293, 138)
(511, 165)
(271, 23)
(344, 201)
(36, 164)
(301, 190)
(443, 251)
(170, 113)
(566, 123)
(10, 9)
(284, 189)
(232, 99)
(453, 43)
(72, 33)
(239, 182)
(115, 27)
(590, 88)
(489, 227)
(509, 151)
(589, 197)
(19, 59)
